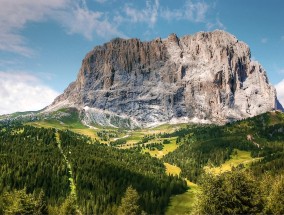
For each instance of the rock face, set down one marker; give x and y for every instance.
(206, 77)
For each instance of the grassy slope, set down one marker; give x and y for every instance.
(241, 157)
(167, 148)
(183, 203)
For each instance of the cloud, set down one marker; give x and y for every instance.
(280, 91)
(217, 24)
(74, 15)
(83, 21)
(264, 40)
(22, 91)
(147, 15)
(193, 11)
(14, 15)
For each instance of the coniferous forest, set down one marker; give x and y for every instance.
(57, 171)
(61, 167)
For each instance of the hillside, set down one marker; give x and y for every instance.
(96, 175)
(65, 165)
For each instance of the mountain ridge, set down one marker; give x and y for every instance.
(206, 77)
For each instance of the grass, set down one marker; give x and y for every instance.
(170, 147)
(165, 128)
(53, 123)
(239, 157)
(182, 203)
(171, 169)
(77, 128)
(86, 131)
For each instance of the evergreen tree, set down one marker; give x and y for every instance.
(130, 203)
(69, 206)
(275, 202)
(230, 193)
(19, 202)
(41, 205)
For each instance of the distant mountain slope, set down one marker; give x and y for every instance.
(205, 77)
(211, 145)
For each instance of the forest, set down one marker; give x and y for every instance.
(200, 146)
(253, 189)
(57, 171)
(41, 163)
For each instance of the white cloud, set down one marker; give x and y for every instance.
(194, 11)
(22, 91)
(148, 15)
(14, 15)
(280, 91)
(264, 40)
(83, 21)
(217, 24)
(74, 15)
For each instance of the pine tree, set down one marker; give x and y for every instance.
(41, 206)
(69, 206)
(129, 203)
(230, 193)
(19, 202)
(275, 203)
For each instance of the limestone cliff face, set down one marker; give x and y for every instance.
(206, 77)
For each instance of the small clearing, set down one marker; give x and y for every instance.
(182, 203)
(238, 157)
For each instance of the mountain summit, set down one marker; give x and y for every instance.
(205, 77)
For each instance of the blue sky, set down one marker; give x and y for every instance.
(42, 43)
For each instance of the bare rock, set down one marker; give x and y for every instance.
(206, 77)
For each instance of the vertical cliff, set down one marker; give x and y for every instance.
(206, 77)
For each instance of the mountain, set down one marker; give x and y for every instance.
(206, 77)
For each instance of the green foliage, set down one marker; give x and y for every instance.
(166, 141)
(69, 206)
(19, 202)
(275, 200)
(240, 192)
(153, 146)
(120, 141)
(105, 135)
(213, 145)
(102, 174)
(230, 193)
(30, 158)
(130, 203)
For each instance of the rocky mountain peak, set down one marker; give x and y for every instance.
(205, 77)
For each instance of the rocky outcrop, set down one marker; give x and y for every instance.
(206, 77)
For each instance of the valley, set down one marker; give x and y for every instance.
(184, 152)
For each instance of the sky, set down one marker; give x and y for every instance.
(42, 43)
